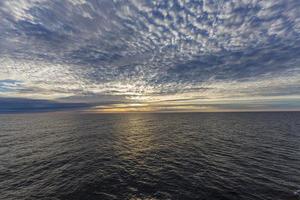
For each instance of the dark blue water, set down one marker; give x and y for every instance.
(150, 156)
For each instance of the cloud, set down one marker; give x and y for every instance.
(149, 51)
(16, 105)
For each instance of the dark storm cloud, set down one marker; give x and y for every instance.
(134, 48)
(15, 105)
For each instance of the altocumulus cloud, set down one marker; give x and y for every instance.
(174, 55)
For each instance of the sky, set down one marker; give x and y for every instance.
(150, 56)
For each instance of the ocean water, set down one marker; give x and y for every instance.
(224, 156)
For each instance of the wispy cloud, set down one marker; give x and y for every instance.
(145, 52)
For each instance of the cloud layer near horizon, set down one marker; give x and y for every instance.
(153, 55)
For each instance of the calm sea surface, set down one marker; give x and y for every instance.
(209, 156)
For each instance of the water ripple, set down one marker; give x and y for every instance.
(61, 156)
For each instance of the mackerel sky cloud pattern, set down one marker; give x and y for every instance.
(153, 55)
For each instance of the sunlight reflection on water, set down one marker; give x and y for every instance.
(150, 156)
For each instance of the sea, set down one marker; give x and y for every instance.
(150, 156)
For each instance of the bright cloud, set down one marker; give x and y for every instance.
(143, 54)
